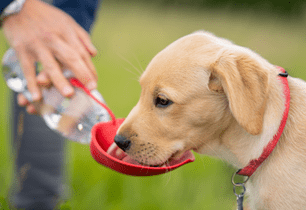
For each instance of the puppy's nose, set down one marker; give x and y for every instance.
(122, 142)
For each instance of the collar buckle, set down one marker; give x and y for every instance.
(283, 74)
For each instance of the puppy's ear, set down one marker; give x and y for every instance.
(244, 81)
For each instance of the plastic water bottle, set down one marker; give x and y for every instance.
(72, 117)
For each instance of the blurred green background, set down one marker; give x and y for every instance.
(127, 35)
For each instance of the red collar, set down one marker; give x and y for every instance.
(255, 163)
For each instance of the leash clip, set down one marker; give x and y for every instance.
(241, 195)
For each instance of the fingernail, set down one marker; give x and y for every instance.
(35, 96)
(31, 110)
(94, 50)
(93, 47)
(42, 78)
(22, 103)
(68, 90)
(91, 85)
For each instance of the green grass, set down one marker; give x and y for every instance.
(127, 36)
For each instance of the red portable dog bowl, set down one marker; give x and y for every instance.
(102, 137)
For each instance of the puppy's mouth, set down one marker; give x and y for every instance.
(176, 158)
(156, 166)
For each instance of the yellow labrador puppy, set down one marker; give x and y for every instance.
(204, 93)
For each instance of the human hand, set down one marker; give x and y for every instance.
(41, 32)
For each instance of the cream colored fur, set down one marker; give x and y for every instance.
(227, 102)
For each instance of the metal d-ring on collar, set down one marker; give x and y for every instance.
(241, 195)
(233, 179)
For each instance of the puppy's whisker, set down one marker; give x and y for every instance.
(169, 175)
(157, 159)
(142, 166)
(200, 158)
(134, 79)
(142, 69)
(131, 71)
(216, 153)
(126, 60)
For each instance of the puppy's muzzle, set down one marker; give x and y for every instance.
(122, 142)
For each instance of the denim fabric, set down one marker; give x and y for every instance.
(83, 11)
(3, 4)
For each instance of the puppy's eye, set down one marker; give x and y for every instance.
(162, 102)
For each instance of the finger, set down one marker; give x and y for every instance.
(43, 79)
(86, 41)
(22, 100)
(73, 61)
(53, 71)
(29, 71)
(91, 66)
(31, 109)
(73, 41)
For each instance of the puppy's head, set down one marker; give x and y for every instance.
(191, 92)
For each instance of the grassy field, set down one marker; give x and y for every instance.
(127, 36)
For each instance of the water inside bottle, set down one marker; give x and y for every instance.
(74, 117)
